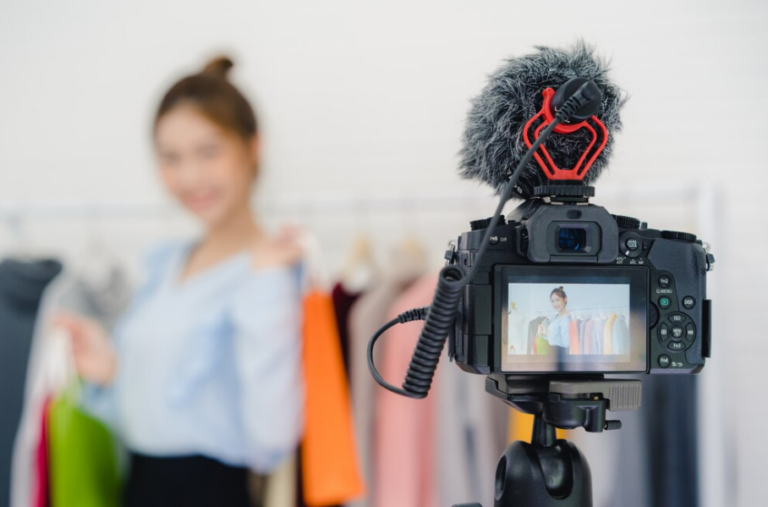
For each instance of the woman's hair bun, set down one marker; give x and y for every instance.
(561, 288)
(218, 67)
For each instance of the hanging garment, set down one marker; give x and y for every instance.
(368, 315)
(582, 333)
(404, 457)
(517, 330)
(608, 336)
(102, 300)
(21, 288)
(575, 344)
(83, 460)
(329, 466)
(471, 435)
(621, 336)
(41, 494)
(281, 486)
(588, 337)
(191, 481)
(343, 300)
(598, 330)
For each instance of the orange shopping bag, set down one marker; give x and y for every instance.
(329, 461)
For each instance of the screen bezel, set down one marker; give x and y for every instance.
(637, 278)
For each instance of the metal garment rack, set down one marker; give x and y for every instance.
(474, 200)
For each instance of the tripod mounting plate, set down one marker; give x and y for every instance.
(568, 403)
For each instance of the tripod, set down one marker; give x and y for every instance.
(550, 472)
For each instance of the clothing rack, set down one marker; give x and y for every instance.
(472, 200)
(600, 309)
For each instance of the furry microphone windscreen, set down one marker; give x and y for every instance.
(493, 139)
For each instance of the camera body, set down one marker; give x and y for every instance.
(567, 288)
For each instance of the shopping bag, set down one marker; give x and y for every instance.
(330, 470)
(83, 457)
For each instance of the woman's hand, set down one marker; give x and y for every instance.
(95, 358)
(279, 251)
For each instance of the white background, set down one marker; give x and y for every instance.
(367, 99)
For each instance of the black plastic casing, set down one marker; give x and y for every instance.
(527, 240)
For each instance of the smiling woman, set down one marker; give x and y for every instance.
(207, 144)
(202, 379)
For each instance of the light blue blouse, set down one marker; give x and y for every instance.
(210, 365)
(559, 331)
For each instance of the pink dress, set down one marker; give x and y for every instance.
(404, 466)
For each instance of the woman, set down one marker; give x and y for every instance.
(558, 331)
(202, 380)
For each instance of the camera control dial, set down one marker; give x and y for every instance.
(627, 222)
(679, 236)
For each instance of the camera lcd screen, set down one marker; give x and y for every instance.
(568, 319)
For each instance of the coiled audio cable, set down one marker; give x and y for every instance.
(440, 315)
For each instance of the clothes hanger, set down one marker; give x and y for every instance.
(98, 264)
(21, 246)
(360, 270)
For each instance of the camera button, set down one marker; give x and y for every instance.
(665, 302)
(664, 361)
(664, 281)
(663, 332)
(677, 332)
(677, 318)
(633, 244)
(676, 345)
(689, 302)
(690, 332)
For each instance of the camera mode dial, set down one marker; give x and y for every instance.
(483, 223)
(627, 222)
(679, 236)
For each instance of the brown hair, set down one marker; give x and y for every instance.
(215, 97)
(560, 292)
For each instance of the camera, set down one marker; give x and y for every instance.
(565, 287)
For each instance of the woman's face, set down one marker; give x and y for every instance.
(207, 169)
(558, 303)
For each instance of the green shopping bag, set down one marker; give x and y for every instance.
(82, 456)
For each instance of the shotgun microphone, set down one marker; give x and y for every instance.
(521, 98)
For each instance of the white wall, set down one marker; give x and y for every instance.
(369, 98)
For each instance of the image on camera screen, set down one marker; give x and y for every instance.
(573, 327)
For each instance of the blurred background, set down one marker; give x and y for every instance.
(361, 108)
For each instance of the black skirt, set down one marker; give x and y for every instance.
(193, 481)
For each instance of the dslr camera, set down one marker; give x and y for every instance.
(565, 287)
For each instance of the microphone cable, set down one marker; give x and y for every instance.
(440, 315)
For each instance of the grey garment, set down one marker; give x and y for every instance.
(21, 288)
(103, 299)
(368, 314)
(598, 334)
(582, 330)
(471, 436)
